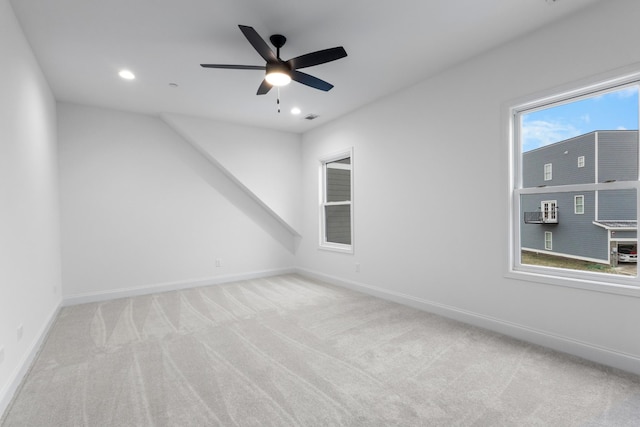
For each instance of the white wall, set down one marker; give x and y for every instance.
(266, 162)
(143, 210)
(29, 218)
(440, 242)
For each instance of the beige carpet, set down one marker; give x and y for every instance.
(287, 351)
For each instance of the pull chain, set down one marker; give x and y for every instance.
(278, 100)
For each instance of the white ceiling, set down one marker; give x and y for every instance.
(82, 44)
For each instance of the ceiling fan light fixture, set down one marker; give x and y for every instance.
(278, 75)
(278, 78)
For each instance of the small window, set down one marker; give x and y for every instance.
(547, 172)
(578, 205)
(581, 161)
(336, 204)
(548, 240)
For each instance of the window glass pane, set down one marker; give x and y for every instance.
(588, 242)
(338, 175)
(590, 140)
(338, 224)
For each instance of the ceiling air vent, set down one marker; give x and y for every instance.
(311, 116)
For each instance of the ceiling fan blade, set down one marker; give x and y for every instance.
(258, 43)
(317, 58)
(308, 80)
(264, 88)
(234, 67)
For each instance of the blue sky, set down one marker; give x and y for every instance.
(610, 111)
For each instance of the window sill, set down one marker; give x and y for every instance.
(345, 249)
(593, 285)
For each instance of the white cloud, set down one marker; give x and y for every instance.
(627, 92)
(621, 128)
(538, 133)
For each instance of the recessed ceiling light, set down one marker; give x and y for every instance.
(127, 75)
(295, 111)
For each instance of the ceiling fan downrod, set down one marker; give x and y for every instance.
(278, 40)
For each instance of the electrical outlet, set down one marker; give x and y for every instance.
(20, 332)
(218, 262)
(357, 267)
(1, 354)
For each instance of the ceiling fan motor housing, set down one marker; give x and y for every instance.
(278, 40)
(279, 67)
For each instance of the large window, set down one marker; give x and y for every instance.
(336, 214)
(559, 131)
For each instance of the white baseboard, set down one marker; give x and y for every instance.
(584, 350)
(11, 387)
(169, 286)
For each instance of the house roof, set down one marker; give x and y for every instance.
(617, 225)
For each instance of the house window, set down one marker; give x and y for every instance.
(549, 210)
(604, 192)
(578, 205)
(336, 205)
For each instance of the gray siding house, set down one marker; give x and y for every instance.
(586, 225)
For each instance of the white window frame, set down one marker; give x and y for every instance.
(581, 161)
(323, 243)
(548, 171)
(548, 241)
(512, 110)
(549, 210)
(578, 208)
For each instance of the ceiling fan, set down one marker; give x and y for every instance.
(279, 72)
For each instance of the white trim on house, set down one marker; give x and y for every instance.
(608, 227)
